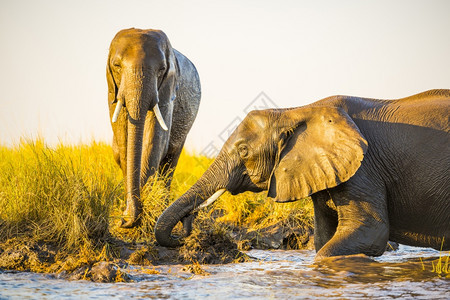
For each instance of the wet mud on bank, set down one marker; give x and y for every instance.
(214, 246)
(269, 274)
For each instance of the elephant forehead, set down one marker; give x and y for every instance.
(140, 34)
(137, 56)
(257, 120)
(136, 41)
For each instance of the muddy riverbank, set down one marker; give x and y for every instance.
(280, 274)
(110, 264)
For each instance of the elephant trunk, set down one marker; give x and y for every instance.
(138, 101)
(134, 157)
(210, 186)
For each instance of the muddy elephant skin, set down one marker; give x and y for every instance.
(375, 170)
(153, 98)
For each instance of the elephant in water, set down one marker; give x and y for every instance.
(375, 170)
(153, 98)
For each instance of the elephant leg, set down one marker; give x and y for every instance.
(363, 224)
(154, 147)
(166, 170)
(169, 163)
(119, 146)
(325, 219)
(116, 152)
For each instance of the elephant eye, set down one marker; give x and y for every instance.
(116, 64)
(161, 70)
(243, 150)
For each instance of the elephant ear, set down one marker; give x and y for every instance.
(112, 86)
(324, 148)
(168, 87)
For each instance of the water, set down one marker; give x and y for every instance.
(275, 275)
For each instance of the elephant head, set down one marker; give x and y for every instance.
(292, 153)
(141, 74)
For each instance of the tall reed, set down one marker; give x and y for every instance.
(62, 194)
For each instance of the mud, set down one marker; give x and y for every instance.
(213, 245)
(22, 255)
(28, 255)
(39, 257)
(278, 236)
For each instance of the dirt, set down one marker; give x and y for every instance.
(216, 245)
(27, 255)
(22, 255)
(277, 236)
(211, 247)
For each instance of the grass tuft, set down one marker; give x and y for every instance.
(62, 195)
(442, 268)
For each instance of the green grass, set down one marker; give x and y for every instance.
(72, 196)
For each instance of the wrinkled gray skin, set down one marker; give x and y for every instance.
(375, 170)
(143, 70)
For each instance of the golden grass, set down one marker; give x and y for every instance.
(195, 269)
(72, 195)
(442, 268)
(63, 195)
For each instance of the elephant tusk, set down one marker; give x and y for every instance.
(119, 106)
(159, 117)
(211, 199)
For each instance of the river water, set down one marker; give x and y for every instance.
(275, 274)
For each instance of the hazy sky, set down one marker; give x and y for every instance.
(53, 57)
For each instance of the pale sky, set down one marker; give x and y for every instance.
(53, 57)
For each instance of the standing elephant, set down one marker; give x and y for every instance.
(375, 170)
(153, 98)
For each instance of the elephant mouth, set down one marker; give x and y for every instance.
(155, 109)
(252, 187)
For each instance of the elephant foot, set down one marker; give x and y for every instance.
(131, 218)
